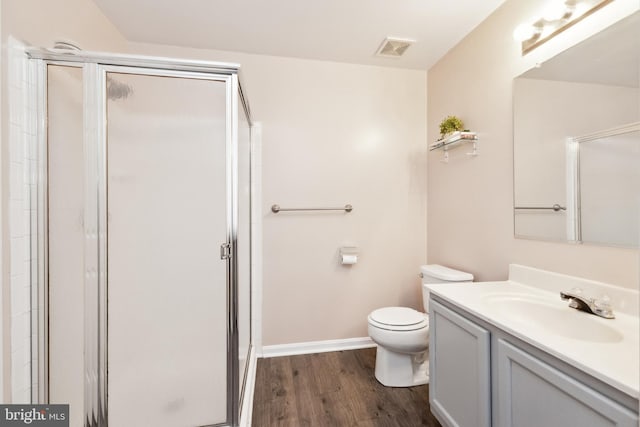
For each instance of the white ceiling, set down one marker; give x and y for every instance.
(335, 30)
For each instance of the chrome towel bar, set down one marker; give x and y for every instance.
(555, 207)
(277, 208)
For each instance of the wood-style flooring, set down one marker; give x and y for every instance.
(334, 389)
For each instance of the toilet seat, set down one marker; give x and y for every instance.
(398, 319)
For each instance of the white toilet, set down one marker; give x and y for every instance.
(402, 334)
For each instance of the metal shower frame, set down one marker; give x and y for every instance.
(95, 67)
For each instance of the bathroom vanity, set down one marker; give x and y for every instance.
(514, 354)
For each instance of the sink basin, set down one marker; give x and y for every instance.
(554, 317)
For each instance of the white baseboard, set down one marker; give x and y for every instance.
(246, 409)
(316, 347)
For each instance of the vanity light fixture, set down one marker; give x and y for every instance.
(554, 19)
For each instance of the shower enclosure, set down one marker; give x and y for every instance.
(141, 239)
(603, 187)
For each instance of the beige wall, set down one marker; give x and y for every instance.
(470, 200)
(39, 23)
(334, 134)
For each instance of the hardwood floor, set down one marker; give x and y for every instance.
(334, 389)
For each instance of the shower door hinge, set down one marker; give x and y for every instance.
(225, 251)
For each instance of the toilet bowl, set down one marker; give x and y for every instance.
(402, 334)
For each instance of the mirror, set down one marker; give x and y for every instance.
(577, 142)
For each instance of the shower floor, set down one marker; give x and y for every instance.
(334, 389)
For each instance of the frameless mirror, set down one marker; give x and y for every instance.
(577, 142)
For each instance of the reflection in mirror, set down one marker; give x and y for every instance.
(577, 142)
(608, 166)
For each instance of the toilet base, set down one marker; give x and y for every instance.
(401, 369)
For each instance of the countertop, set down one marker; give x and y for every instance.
(615, 362)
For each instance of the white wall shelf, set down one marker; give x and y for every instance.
(455, 139)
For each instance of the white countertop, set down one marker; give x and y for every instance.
(615, 361)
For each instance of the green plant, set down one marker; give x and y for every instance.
(450, 124)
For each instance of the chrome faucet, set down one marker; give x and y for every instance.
(578, 301)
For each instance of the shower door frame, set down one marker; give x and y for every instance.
(95, 68)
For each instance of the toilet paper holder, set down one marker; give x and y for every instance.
(349, 255)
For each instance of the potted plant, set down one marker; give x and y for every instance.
(450, 124)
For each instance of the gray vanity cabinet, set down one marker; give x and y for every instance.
(481, 376)
(532, 393)
(460, 385)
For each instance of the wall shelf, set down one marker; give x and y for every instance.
(455, 139)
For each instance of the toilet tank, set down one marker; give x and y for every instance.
(434, 273)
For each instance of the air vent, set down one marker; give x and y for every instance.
(393, 47)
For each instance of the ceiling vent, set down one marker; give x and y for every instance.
(393, 47)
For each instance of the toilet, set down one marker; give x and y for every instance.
(402, 333)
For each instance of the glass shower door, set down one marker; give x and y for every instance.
(65, 178)
(167, 217)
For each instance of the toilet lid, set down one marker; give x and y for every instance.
(397, 316)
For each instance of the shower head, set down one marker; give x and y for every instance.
(66, 45)
(117, 90)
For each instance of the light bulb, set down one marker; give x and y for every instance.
(555, 11)
(579, 9)
(524, 32)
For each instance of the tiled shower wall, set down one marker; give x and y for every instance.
(21, 133)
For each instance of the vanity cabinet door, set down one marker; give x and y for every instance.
(459, 386)
(532, 393)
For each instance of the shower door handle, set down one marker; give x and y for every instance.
(225, 251)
